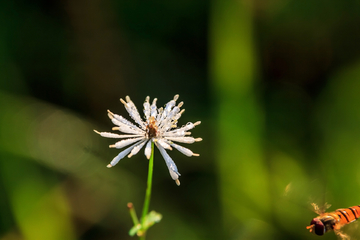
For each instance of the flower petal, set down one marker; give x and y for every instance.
(133, 112)
(153, 108)
(183, 150)
(121, 155)
(124, 127)
(164, 144)
(148, 150)
(147, 107)
(160, 113)
(181, 131)
(170, 164)
(166, 120)
(184, 139)
(137, 148)
(124, 143)
(114, 135)
(122, 120)
(171, 104)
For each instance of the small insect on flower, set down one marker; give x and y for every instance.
(159, 127)
(333, 220)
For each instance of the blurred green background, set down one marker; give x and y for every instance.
(276, 84)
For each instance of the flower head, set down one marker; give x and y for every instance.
(159, 127)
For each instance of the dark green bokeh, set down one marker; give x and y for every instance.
(275, 84)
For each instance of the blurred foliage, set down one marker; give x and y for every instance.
(275, 82)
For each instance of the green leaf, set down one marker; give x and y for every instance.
(150, 219)
(135, 229)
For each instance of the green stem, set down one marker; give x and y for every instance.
(148, 190)
(133, 213)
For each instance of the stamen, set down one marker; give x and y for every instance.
(177, 182)
(198, 139)
(197, 123)
(122, 101)
(110, 114)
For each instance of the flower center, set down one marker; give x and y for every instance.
(151, 128)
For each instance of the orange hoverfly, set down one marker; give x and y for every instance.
(333, 220)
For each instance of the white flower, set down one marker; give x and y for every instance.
(160, 127)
